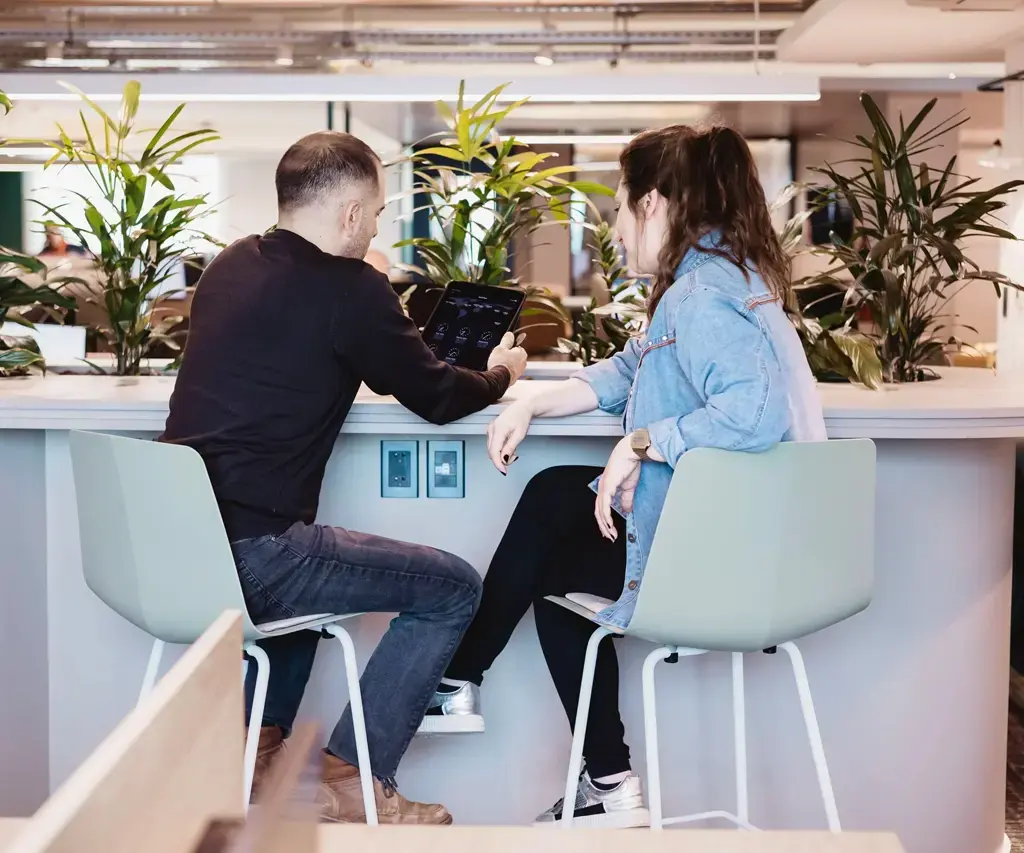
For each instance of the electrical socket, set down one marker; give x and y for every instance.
(446, 469)
(399, 469)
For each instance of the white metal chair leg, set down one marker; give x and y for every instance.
(355, 698)
(803, 687)
(739, 715)
(579, 730)
(259, 703)
(152, 669)
(651, 734)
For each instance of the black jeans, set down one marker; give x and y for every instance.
(313, 569)
(552, 546)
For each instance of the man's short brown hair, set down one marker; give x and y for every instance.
(320, 163)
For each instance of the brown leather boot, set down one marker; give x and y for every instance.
(271, 746)
(341, 799)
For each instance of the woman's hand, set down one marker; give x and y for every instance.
(505, 433)
(621, 475)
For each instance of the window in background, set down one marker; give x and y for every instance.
(65, 186)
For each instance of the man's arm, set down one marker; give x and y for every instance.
(385, 350)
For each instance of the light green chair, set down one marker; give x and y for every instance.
(768, 559)
(154, 550)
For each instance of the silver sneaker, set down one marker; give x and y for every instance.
(454, 713)
(620, 808)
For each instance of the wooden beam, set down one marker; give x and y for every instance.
(173, 764)
(336, 838)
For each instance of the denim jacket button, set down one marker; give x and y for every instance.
(632, 584)
(631, 537)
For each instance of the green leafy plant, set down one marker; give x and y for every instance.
(483, 192)
(138, 224)
(835, 350)
(17, 353)
(905, 259)
(603, 330)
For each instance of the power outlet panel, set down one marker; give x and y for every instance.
(446, 469)
(399, 469)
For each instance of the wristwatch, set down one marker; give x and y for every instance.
(640, 442)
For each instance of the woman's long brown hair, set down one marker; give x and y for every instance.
(710, 181)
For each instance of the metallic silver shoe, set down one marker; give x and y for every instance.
(620, 808)
(454, 713)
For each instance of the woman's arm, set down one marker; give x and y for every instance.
(612, 378)
(571, 397)
(562, 399)
(723, 351)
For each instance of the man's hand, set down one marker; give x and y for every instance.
(509, 356)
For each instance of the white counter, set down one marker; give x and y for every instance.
(966, 403)
(911, 694)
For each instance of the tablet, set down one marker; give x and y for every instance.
(470, 320)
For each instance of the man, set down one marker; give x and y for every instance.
(284, 329)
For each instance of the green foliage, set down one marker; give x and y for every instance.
(17, 354)
(604, 330)
(139, 235)
(905, 259)
(513, 194)
(835, 350)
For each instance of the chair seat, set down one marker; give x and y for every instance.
(580, 610)
(280, 627)
(588, 614)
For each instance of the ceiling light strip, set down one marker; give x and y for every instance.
(550, 88)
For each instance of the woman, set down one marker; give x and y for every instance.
(720, 366)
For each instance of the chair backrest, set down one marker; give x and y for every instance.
(754, 549)
(169, 768)
(152, 539)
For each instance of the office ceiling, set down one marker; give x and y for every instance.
(876, 31)
(313, 35)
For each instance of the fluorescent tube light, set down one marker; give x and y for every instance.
(594, 88)
(35, 153)
(571, 138)
(72, 63)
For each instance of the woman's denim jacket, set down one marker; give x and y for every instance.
(706, 374)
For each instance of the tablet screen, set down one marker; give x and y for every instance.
(469, 322)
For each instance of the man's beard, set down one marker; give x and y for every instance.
(358, 247)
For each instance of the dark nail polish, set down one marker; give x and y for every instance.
(504, 459)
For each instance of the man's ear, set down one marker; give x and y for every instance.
(351, 214)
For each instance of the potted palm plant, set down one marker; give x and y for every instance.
(137, 222)
(482, 192)
(906, 257)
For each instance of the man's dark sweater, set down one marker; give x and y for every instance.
(280, 337)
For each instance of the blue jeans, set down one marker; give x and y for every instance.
(311, 569)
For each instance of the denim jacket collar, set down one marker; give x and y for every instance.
(697, 254)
